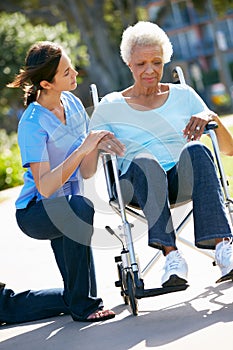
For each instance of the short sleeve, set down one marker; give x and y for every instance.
(32, 143)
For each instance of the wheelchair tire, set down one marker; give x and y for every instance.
(131, 293)
(123, 284)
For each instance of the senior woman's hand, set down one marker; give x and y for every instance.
(110, 144)
(196, 125)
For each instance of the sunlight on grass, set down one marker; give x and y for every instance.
(227, 162)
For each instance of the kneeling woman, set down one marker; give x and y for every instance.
(58, 153)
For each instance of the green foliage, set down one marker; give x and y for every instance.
(220, 6)
(17, 34)
(11, 171)
(227, 162)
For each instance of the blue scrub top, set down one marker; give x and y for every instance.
(43, 138)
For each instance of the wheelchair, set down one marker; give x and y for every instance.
(130, 275)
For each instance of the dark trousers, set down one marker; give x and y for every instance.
(31, 305)
(68, 223)
(194, 178)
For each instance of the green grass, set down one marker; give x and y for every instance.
(11, 171)
(227, 162)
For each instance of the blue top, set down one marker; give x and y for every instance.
(158, 132)
(43, 138)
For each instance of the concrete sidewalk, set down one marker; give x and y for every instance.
(200, 317)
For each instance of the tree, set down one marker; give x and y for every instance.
(17, 34)
(100, 23)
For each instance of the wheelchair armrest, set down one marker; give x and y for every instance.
(210, 126)
(109, 175)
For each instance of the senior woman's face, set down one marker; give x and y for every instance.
(146, 65)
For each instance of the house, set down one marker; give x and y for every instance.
(203, 46)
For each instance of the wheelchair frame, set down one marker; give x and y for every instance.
(130, 278)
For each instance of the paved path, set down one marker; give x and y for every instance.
(200, 317)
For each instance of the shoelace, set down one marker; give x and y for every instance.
(224, 250)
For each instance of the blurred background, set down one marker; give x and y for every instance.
(201, 33)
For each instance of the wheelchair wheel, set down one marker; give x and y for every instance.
(122, 283)
(131, 293)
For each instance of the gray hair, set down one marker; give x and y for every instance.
(145, 33)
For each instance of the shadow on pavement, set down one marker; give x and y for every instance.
(149, 329)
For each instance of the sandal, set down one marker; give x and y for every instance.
(98, 316)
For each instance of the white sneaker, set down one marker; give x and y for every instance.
(175, 270)
(224, 259)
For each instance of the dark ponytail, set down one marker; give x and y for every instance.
(30, 94)
(41, 63)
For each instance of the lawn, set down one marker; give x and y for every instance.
(226, 161)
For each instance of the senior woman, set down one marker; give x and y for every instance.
(164, 161)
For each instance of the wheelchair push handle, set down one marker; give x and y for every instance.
(94, 94)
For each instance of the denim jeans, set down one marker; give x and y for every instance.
(31, 305)
(193, 178)
(68, 223)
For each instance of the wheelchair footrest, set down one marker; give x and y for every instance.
(227, 277)
(145, 293)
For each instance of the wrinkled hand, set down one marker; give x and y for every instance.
(110, 144)
(196, 125)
